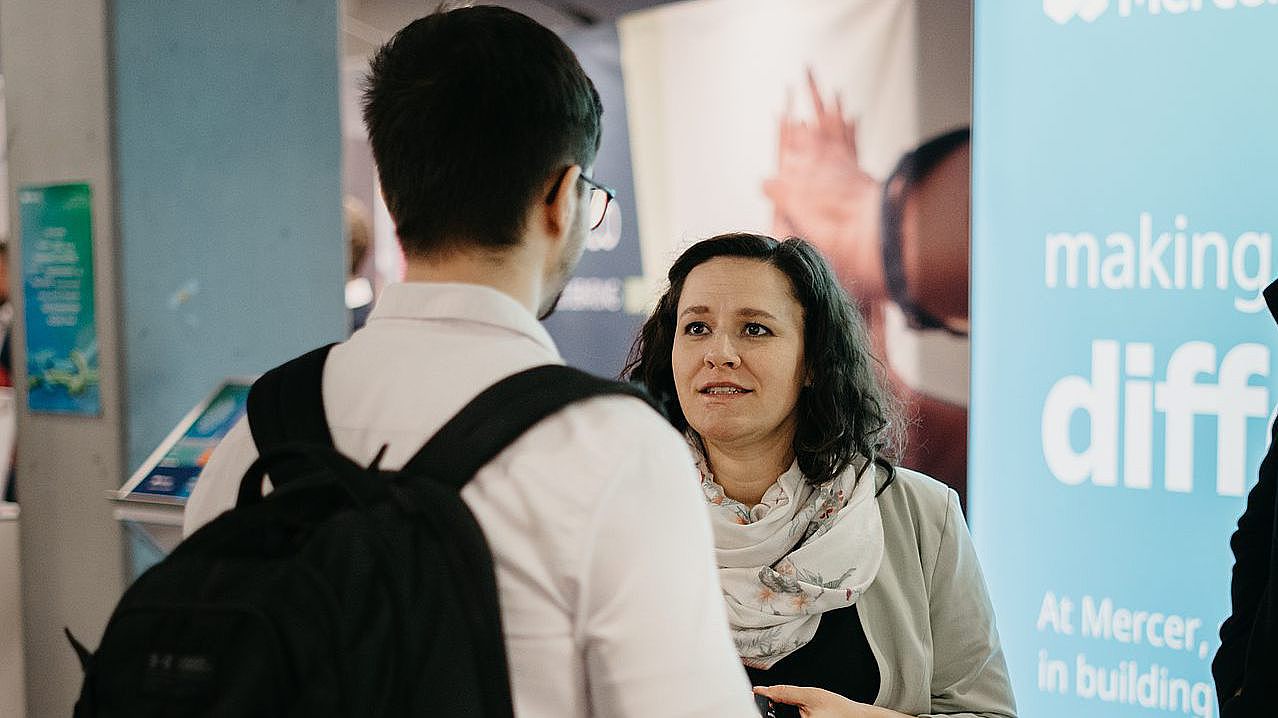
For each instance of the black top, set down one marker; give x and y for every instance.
(838, 659)
(1247, 661)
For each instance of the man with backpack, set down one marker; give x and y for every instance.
(484, 129)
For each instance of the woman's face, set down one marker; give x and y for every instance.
(738, 353)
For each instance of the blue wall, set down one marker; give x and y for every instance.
(228, 161)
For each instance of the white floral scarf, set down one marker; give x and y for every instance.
(802, 551)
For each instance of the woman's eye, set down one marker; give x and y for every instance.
(696, 329)
(756, 330)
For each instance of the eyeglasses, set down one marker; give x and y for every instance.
(600, 197)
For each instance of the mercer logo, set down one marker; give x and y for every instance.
(1062, 11)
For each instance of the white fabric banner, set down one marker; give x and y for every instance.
(708, 84)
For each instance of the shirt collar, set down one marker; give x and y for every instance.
(461, 302)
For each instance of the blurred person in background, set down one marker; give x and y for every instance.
(1246, 665)
(359, 240)
(8, 409)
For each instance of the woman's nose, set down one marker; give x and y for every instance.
(722, 353)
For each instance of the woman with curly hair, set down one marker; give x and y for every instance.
(852, 586)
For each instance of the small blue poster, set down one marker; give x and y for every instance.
(57, 283)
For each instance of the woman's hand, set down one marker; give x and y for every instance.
(818, 703)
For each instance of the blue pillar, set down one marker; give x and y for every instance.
(228, 166)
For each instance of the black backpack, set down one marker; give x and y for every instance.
(347, 591)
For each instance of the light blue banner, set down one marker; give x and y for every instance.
(1123, 365)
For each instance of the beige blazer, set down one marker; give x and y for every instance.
(928, 615)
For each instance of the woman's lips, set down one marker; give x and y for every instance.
(723, 389)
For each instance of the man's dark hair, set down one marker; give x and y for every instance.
(845, 413)
(470, 112)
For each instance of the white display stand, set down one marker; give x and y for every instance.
(12, 681)
(149, 506)
(151, 532)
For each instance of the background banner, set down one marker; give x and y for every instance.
(600, 311)
(1122, 355)
(803, 119)
(57, 282)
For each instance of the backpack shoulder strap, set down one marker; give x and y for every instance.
(501, 414)
(285, 408)
(286, 404)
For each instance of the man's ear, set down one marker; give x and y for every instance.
(562, 202)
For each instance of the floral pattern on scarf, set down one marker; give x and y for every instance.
(801, 551)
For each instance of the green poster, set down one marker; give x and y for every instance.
(57, 285)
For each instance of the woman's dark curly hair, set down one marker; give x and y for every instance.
(845, 412)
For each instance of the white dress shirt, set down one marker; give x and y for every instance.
(609, 594)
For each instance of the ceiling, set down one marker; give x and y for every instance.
(366, 24)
